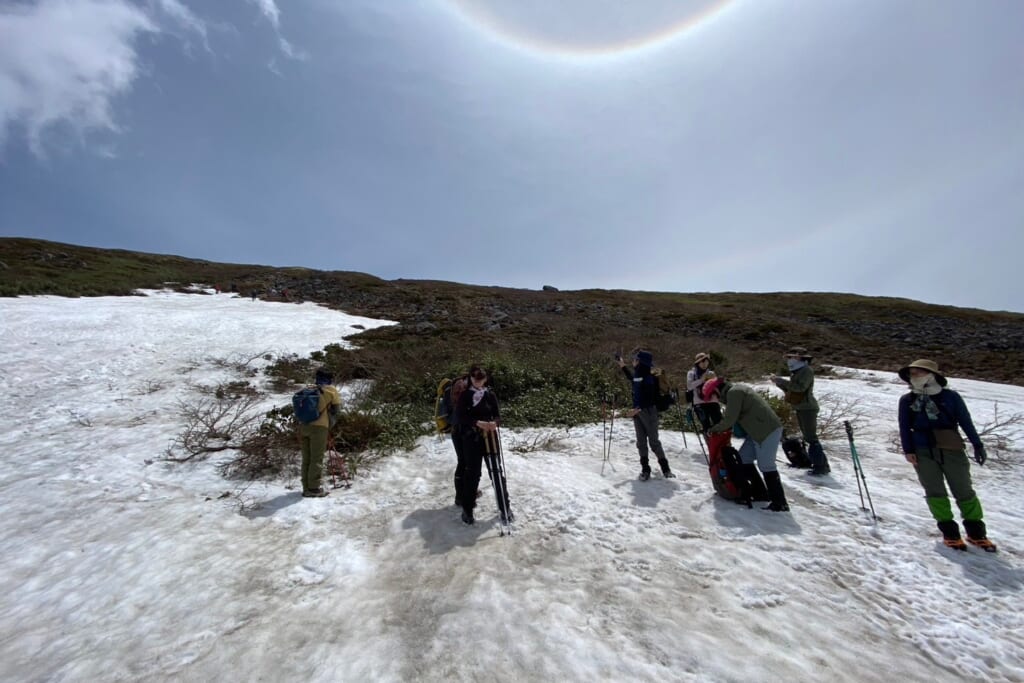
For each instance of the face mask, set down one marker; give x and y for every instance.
(920, 381)
(794, 364)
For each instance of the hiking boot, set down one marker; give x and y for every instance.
(951, 535)
(467, 517)
(645, 475)
(818, 472)
(319, 492)
(983, 543)
(773, 482)
(668, 474)
(977, 535)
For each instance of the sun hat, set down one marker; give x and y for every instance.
(701, 356)
(799, 352)
(924, 364)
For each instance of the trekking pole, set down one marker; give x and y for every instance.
(501, 485)
(682, 422)
(607, 444)
(859, 471)
(700, 439)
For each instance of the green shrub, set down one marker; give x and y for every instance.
(782, 409)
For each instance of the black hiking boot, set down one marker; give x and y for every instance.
(644, 475)
(668, 474)
(951, 535)
(319, 492)
(976, 535)
(467, 517)
(773, 482)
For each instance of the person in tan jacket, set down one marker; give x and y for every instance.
(313, 436)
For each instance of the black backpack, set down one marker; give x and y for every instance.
(796, 452)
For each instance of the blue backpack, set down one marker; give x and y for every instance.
(306, 404)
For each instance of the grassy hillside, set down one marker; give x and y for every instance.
(444, 324)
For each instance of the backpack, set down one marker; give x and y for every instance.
(443, 407)
(666, 397)
(306, 404)
(448, 393)
(796, 452)
(729, 477)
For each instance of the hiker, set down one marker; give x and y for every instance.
(456, 390)
(476, 412)
(708, 412)
(645, 412)
(746, 408)
(799, 390)
(313, 436)
(929, 417)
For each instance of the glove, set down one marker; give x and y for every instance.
(979, 454)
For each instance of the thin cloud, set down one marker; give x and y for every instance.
(271, 12)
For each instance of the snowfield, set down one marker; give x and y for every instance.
(119, 566)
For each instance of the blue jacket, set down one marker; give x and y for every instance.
(916, 427)
(645, 386)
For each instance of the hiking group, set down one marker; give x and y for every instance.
(930, 417)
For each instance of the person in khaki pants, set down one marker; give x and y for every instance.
(313, 436)
(930, 417)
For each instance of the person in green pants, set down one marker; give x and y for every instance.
(930, 417)
(799, 390)
(313, 436)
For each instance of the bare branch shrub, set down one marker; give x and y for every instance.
(542, 441)
(213, 425)
(79, 418)
(150, 386)
(833, 410)
(994, 433)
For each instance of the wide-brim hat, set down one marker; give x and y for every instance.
(924, 364)
(799, 352)
(701, 356)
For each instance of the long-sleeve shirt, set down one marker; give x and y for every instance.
(916, 426)
(694, 381)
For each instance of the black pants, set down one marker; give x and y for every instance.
(708, 414)
(457, 444)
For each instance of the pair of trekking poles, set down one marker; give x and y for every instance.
(494, 458)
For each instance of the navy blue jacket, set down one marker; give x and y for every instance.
(916, 428)
(645, 386)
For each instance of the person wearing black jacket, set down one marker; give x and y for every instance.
(477, 412)
(645, 412)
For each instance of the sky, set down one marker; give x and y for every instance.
(119, 565)
(857, 146)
